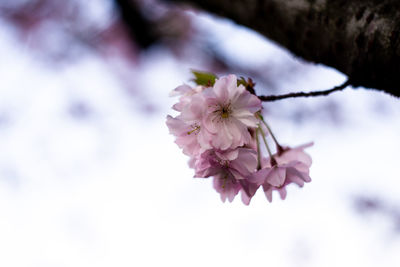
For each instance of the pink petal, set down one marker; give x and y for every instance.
(237, 175)
(220, 89)
(248, 101)
(277, 176)
(231, 83)
(180, 90)
(246, 162)
(176, 126)
(245, 198)
(228, 155)
(246, 117)
(268, 192)
(210, 125)
(259, 176)
(282, 193)
(302, 175)
(204, 139)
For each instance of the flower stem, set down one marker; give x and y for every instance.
(258, 150)
(265, 141)
(278, 146)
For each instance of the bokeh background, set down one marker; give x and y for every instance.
(89, 175)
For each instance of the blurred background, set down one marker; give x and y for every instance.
(89, 175)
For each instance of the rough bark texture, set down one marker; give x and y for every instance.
(358, 37)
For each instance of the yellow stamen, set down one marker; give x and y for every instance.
(225, 179)
(224, 114)
(195, 129)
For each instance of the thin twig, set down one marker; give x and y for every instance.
(305, 94)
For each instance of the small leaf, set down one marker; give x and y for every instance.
(204, 78)
(241, 81)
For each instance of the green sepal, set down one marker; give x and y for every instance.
(242, 81)
(204, 78)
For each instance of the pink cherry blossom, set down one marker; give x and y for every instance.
(187, 135)
(187, 127)
(226, 186)
(291, 165)
(218, 128)
(230, 113)
(230, 169)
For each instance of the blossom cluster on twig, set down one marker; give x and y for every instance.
(221, 128)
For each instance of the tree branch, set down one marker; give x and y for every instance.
(139, 27)
(305, 94)
(360, 38)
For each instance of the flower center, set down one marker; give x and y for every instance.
(224, 163)
(221, 112)
(225, 111)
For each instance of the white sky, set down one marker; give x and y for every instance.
(113, 189)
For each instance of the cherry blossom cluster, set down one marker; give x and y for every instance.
(221, 129)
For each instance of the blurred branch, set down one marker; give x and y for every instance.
(139, 27)
(369, 204)
(359, 38)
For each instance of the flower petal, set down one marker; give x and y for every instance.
(277, 176)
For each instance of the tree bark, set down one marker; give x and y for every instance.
(360, 38)
(140, 29)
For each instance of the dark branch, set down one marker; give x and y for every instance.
(305, 94)
(360, 38)
(139, 27)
